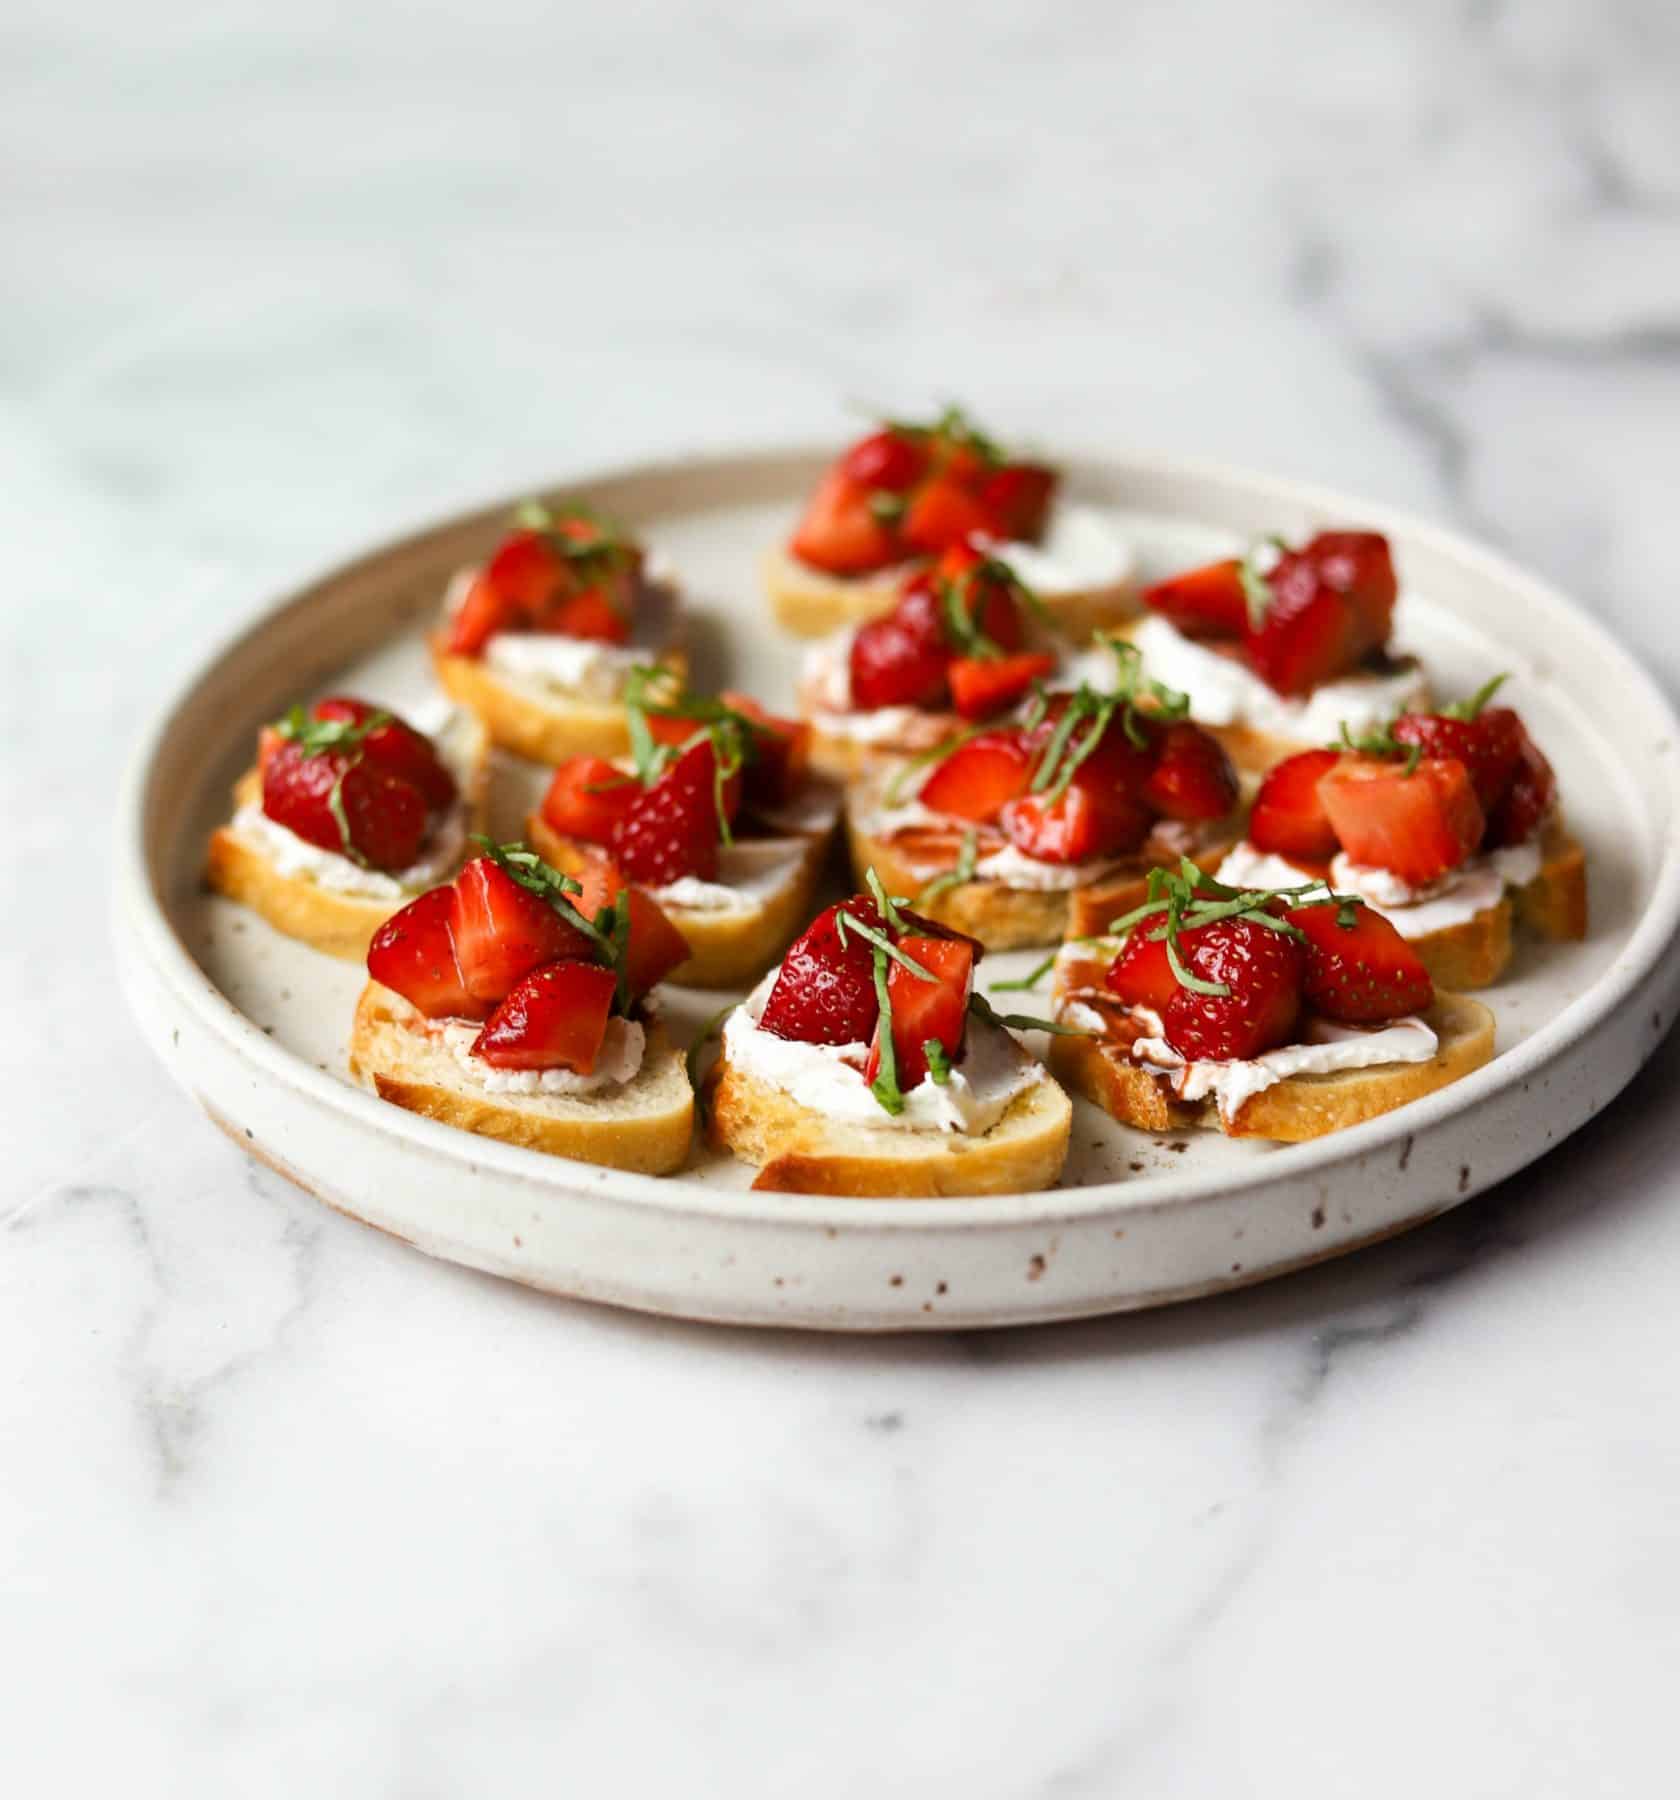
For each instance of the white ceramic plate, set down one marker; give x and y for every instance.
(255, 1024)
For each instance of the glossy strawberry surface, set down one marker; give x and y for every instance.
(924, 1011)
(413, 954)
(1420, 824)
(339, 800)
(1263, 970)
(502, 931)
(587, 797)
(554, 1018)
(824, 992)
(1288, 818)
(1358, 968)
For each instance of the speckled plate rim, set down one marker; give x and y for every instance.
(155, 961)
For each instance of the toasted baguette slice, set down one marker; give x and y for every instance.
(542, 727)
(729, 949)
(798, 1151)
(645, 1126)
(812, 604)
(1294, 1109)
(334, 923)
(1009, 918)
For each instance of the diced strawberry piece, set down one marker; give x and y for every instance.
(526, 570)
(1358, 967)
(503, 931)
(1116, 758)
(840, 533)
(1332, 603)
(1263, 970)
(886, 462)
(1091, 818)
(1289, 819)
(981, 687)
(553, 1019)
(593, 613)
(1204, 602)
(825, 991)
(1193, 779)
(1526, 801)
(1016, 501)
(656, 946)
(587, 798)
(924, 1010)
(943, 512)
(988, 601)
(1420, 826)
(781, 758)
(396, 747)
(413, 954)
(893, 665)
(1140, 974)
(671, 829)
(482, 613)
(672, 731)
(977, 780)
(385, 817)
(1488, 745)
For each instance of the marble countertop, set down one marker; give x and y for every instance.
(285, 1509)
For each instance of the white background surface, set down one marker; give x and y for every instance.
(285, 1509)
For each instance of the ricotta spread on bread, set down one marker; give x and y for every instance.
(1079, 552)
(618, 1061)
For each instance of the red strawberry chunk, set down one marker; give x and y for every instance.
(934, 1010)
(943, 512)
(1193, 779)
(886, 462)
(482, 613)
(1091, 818)
(979, 778)
(1359, 969)
(825, 990)
(1421, 826)
(986, 600)
(1289, 819)
(593, 612)
(1332, 603)
(982, 687)
(384, 818)
(413, 954)
(503, 931)
(555, 1018)
(655, 947)
(526, 570)
(671, 829)
(893, 663)
(587, 798)
(1208, 602)
(396, 747)
(781, 759)
(1526, 802)
(1016, 500)
(1263, 970)
(1140, 974)
(840, 533)
(1488, 745)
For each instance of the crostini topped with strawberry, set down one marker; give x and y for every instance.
(1445, 822)
(1268, 1012)
(1276, 649)
(542, 637)
(1088, 788)
(872, 1025)
(907, 493)
(715, 811)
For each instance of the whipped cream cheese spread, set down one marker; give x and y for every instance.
(619, 1061)
(828, 1078)
(445, 839)
(1014, 868)
(750, 873)
(1080, 551)
(1326, 1048)
(1414, 912)
(1225, 691)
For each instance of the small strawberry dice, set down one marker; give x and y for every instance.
(825, 990)
(482, 613)
(1192, 779)
(1332, 604)
(886, 462)
(892, 663)
(1140, 974)
(1488, 745)
(943, 512)
(1359, 969)
(555, 1018)
(1091, 818)
(384, 817)
(597, 613)
(656, 946)
(1263, 970)
(396, 747)
(671, 829)
(503, 931)
(1526, 802)
(1289, 819)
(588, 797)
(841, 533)
(1208, 602)
(781, 759)
(1421, 826)
(987, 601)
(978, 779)
(934, 1010)
(1016, 500)
(984, 687)
(413, 954)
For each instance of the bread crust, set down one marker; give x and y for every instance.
(811, 603)
(1554, 904)
(1006, 918)
(336, 924)
(645, 1127)
(798, 1151)
(541, 730)
(729, 949)
(1293, 1110)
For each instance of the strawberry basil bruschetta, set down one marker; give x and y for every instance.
(867, 1064)
(1022, 832)
(1258, 1013)
(349, 812)
(963, 642)
(1277, 649)
(512, 1002)
(540, 641)
(906, 493)
(1447, 823)
(714, 812)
